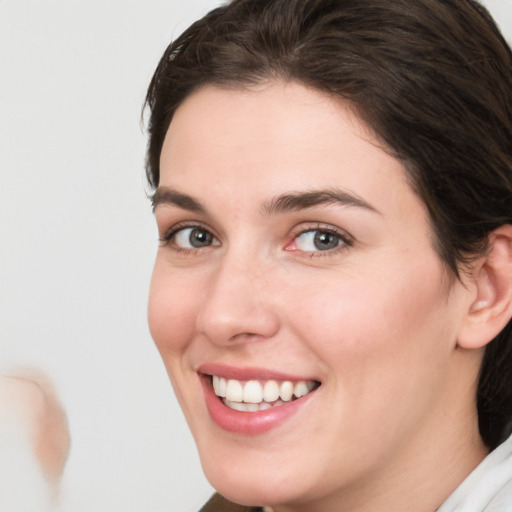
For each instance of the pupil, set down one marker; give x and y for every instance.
(324, 241)
(200, 238)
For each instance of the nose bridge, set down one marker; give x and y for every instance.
(236, 306)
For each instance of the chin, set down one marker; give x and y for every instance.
(252, 491)
(256, 484)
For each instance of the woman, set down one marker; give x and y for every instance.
(332, 293)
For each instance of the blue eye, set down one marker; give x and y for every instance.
(318, 240)
(193, 238)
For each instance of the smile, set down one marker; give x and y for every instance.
(253, 401)
(255, 395)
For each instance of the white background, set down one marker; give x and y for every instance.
(77, 240)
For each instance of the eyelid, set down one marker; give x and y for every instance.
(304, 227)
(168, 235)
(346, 238)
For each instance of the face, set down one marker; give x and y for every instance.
(296, 272)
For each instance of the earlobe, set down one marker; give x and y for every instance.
(491, 307)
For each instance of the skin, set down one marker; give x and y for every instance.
(376, 319)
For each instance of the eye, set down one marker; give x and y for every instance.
(316, 240)
(319, 239)
(193, 237)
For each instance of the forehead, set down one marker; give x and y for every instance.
(276, 112)
(285, 134)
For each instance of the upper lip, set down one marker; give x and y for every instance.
(248, 373)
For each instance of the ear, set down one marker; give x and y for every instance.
(491, 306)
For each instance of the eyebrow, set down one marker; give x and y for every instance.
(297, 201)
(293, 201)
(165, 195)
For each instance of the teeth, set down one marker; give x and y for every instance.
(253, 393)
(270, 391)
(300, 389)
(234, 391)
(223, 386)
(243, 407)
(237, 406)
(252, 396)
(219, 385)
(286, 391)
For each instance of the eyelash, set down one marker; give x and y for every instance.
(345, 240)
(169, 237)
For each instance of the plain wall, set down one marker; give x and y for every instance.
(77, 240)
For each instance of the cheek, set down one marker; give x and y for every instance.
(171, 310)
(384, 344)
(384, 326)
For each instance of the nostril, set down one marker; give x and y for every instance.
(246, 337)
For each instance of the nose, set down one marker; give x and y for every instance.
(236, 307)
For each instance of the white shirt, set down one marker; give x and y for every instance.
(488, 488)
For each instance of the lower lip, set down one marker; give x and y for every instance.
(250, 423)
